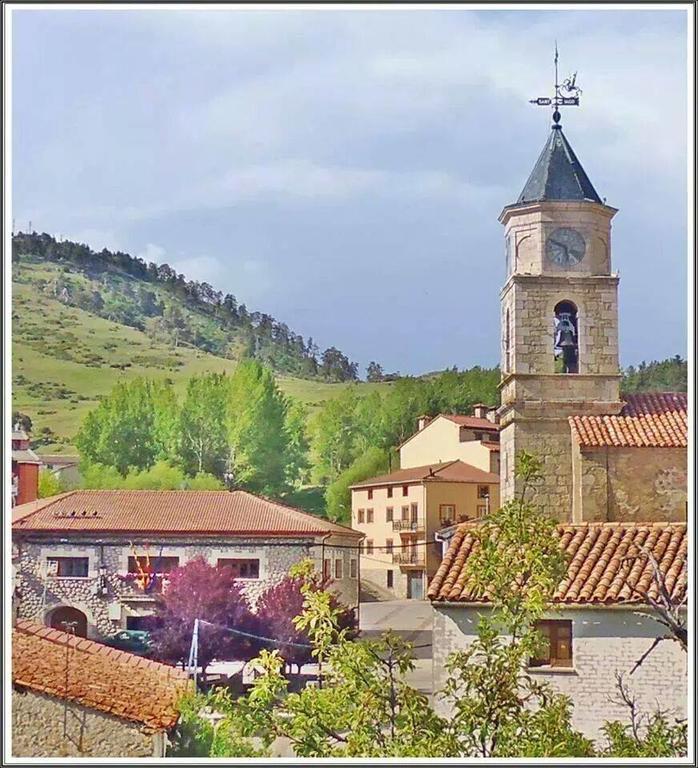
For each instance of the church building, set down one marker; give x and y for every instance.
(606, 457)
(614, 466)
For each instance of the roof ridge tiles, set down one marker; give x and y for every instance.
(605, 564)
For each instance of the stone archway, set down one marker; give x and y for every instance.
(67, 615)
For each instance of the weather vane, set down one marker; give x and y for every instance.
(560, 100)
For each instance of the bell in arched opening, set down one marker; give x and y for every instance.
(566, 345)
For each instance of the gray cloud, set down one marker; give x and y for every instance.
(344, 170)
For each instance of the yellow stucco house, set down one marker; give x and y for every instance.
(446, 477)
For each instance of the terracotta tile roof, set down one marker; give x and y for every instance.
(191, 512)
(446, 472)
(99, 677)
(492, 446)
(471, 422)
(652, 420)
(601, 568)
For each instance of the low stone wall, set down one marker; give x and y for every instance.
(43, 726)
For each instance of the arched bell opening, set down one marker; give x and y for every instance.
(566, 338)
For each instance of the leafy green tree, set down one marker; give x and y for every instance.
(334, 433)
(50, 484)
(500, 710)
(24, 421)
(124, 430)
(204, 482)
(670, 375)
(338, 494)
(374, 372)
(162, 476)
(257, 429)
(203, 425)
(297, 458)
(99, 476)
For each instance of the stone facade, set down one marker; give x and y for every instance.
(604, 641)
(44, 726)
(536, 401)
(629, 484)
(36, 597)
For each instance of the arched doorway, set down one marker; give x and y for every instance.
(69, 619)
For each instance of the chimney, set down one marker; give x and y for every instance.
(492, 415)
(422, 422)
(480, 410)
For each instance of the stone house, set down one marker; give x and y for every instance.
(97, 558)
(75, 697)
(601, 623)
(65, 467)
(400, 512)
(446, 437)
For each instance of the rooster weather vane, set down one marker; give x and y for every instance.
(568, 86)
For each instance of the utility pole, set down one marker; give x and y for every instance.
(194, 654)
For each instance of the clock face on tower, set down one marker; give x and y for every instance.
(565, 247)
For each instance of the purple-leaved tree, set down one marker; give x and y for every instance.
(276, 609)
(198, 590)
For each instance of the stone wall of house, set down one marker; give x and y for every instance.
(630, 484)
(43, 726)
(36, 597)
(604, 642)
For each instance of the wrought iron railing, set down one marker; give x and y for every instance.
(408, 557)
(408, 525)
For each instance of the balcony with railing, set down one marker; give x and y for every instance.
(409, 557)
(409, 526)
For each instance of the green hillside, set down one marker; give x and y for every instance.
(65, 357)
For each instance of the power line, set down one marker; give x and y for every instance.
(275, 641)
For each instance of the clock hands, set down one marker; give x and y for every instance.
(563, 247)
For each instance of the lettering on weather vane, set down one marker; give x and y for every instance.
(567, 94)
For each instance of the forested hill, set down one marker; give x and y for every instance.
(154, 299)
(670, 375)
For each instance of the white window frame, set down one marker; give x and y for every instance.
(51, 552)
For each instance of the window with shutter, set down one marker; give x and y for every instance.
(557, 648)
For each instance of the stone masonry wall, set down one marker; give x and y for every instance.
(532, 303)
(38, 597)
(43, 726)
(550, 441)
(604, 642)
(630, 484)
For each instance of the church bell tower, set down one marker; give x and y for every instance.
(559, 316)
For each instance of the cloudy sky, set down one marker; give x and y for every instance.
(344, 170)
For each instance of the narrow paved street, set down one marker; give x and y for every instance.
(411, 619)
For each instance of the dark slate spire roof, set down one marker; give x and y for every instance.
(557, 175)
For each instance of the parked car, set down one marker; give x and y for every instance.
(131, 640)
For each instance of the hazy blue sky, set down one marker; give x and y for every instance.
(344, 170)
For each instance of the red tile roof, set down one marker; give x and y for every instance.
(447, 472)
(606, 565)
(130, 687)
(188, 512)
(652, 420)
(471, 422)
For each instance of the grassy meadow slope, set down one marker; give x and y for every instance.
(64, 358)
